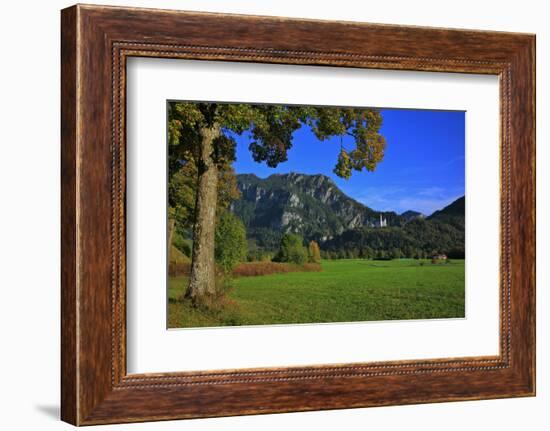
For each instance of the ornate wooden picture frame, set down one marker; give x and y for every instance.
(96, 41)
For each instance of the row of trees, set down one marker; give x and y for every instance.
(292, 250)
(418, 238)
(394, 253)
(231, 246)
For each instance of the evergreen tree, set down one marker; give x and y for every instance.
(292, 250)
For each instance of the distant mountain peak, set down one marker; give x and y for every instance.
(411, 212)
(453, 214)
(457, 207)
(411, 215)
(299, 176)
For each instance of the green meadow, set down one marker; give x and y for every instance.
(346, 290)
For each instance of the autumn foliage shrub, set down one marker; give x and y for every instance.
(314, 252)
(253, 269)
(250, 269)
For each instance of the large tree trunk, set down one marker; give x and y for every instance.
(202, 283)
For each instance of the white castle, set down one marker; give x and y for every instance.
(383, 221)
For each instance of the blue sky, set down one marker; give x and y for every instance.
(422, 170)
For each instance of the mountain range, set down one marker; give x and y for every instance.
(314, 207)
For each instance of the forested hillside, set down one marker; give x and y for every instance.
(314, 207)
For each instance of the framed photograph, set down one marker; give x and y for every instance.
(266, 215)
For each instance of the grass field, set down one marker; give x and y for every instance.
(345, 291)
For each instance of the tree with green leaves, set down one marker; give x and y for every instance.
(231, 244)
(292, 249)
(205, 133)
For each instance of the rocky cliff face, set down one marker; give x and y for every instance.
(311, 205)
